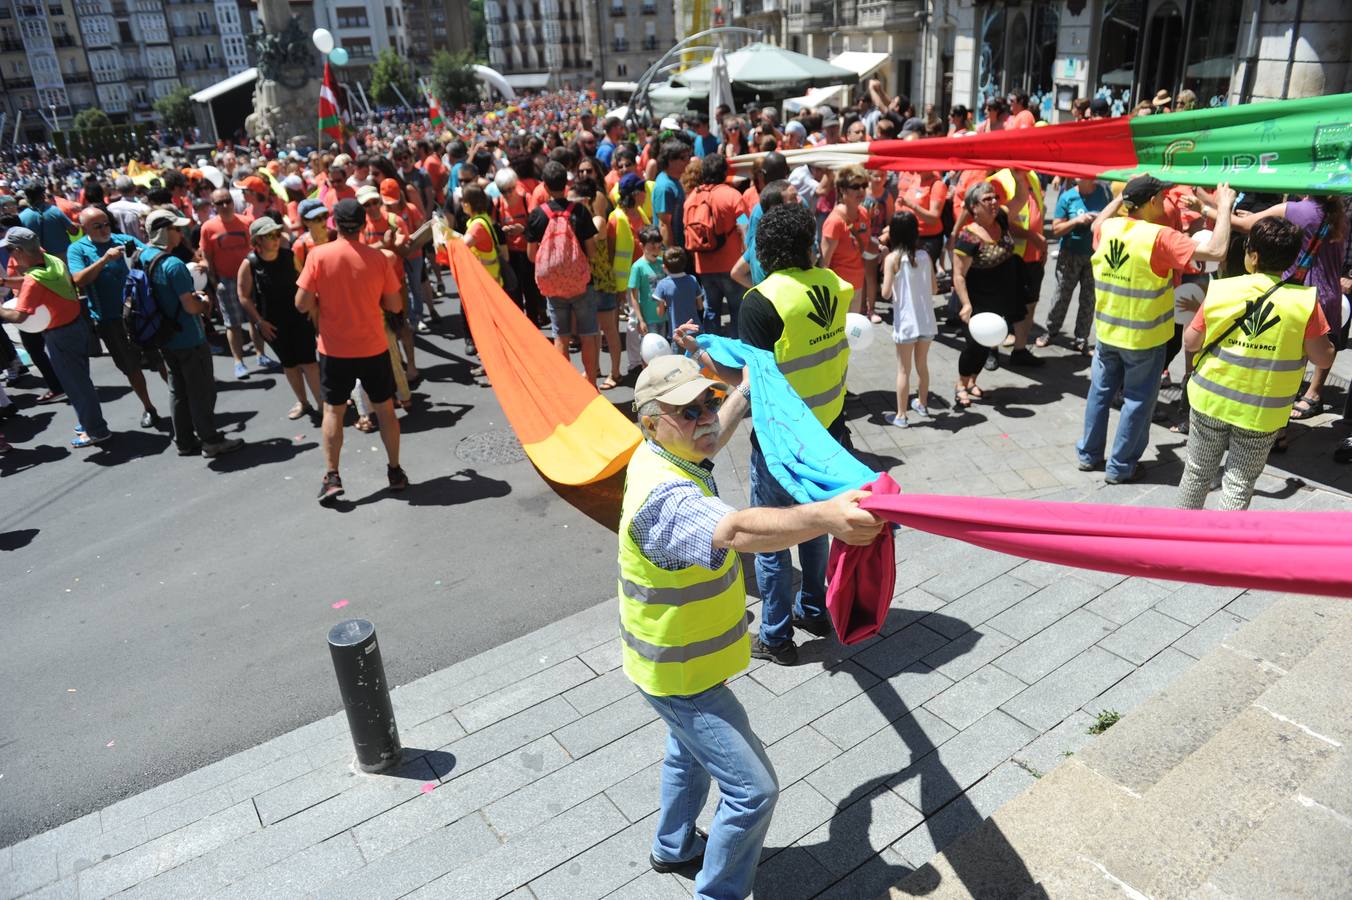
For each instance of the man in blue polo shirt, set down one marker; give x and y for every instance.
(98, 266)
(46, 220)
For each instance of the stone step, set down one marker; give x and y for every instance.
(1232, 782)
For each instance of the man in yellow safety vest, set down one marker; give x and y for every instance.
(683, 618)
(1257, 333)
(1134, 263)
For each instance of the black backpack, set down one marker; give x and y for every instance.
(146, 323)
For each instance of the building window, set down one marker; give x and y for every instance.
(352, 17)
(621, 70)
(992, 61)
(1117, 51)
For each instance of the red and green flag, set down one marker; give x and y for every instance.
(1283, 147)
(329, 123)
(434, 115)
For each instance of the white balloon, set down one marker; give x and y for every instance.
(1347, 310)
(1201, 238)
(988, 329)
(653, 346)
(1188, 291)
(858, 331)
(199, 276)
(323, 39)
(36, 322)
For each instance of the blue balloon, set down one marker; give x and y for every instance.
(338, 56)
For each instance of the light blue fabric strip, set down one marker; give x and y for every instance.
(808, 463)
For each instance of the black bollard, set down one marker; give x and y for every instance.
(361, 681)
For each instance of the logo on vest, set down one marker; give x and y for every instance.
(1257, 319)
(823, 305)
(1117, 254)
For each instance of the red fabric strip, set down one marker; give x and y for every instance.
(1299, 552)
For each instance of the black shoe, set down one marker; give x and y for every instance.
(1134, 475)
(992, 362)
(1344, 452)
(818, 626)
(1024, 357)
(689, 868)
(331, 489)
(1089, 467)
(190, 450)
(786, 654)
(398, 480)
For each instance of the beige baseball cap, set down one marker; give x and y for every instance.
(675, 380)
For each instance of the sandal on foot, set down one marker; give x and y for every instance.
(1043, 340)
(367, 424)
(1311, 408)
(609, 384)
(962, 398)
(1179, 428)
(976, 393)
(298, 410)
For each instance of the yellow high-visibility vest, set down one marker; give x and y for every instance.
(488, 257)
(1252, 377)
(682, 631)
(624, 247)
(1135, 307)
(812, 352)
(645, 205)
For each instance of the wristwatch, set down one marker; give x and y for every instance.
(745, 390)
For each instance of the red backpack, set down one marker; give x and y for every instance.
(701, 234)
(561, 266)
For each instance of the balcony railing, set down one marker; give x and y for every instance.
(617, 9)
(181, 30)
(11, 46)
(64, 40)
(650, 43)
(650, 9)
(620, 45)
(207, 29)
(19, 82)
(104, 76)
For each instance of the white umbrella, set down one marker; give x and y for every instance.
(720, 87)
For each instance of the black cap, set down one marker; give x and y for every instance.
(348, 214)
(1141, 188)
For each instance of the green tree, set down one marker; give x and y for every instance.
(175, 109)
(453, 80)
(479, 30)
(91, 118)
(389, 72)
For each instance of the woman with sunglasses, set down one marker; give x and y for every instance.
(734, 137)
(845, 232)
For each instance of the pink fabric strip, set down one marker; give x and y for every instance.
(1307, 553)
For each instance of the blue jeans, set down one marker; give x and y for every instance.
(717, 287)
(774, 571)
(413, 273)
(710, 736)
(68, 349)
(1137, 374)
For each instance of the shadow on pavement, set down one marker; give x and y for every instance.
(426, 417)
(848, 853)
(128, 445)
(17, 539)
(259, 453)
(23, 428)
(21, 458)
(599, 501)
(464, 486)
(234, 417)
(248, 384)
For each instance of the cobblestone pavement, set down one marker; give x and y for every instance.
(532, 768)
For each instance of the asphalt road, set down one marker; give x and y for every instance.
(162, 613)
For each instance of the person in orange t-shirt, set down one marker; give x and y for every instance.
(714, 267)
(359, 286)
(224, 242)
(845, 232)
(1020, 116)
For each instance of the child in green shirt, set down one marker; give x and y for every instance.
(643, 275)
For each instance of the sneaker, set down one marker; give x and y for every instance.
(689, 868)
(1088, 466)
(423, 328)
(897, 420)
(221, 447)
(331, 488)
(149, 419)
(398, 479)
(992, 361)
(919, 408)
(1024, 357)
(1136, 474)
(817, 626)
(241, 371)
(786, 654)
(267, 362)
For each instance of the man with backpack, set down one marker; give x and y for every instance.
(47, 291)
(560, 240)
(98, 266)
(163, 310)
(712, 235)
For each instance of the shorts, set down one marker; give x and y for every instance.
(227, 298)
(126, 355)
(934, 246)
(573, 316)
(605, 301)
(294, 344)
(338, 375)
(1030, 280)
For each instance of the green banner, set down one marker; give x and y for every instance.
(1283, 147)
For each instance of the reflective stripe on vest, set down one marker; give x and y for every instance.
(812, 351)
(1252, 378)
(624, 248)
(488, 258)
(682, 631)
(1134, 306)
